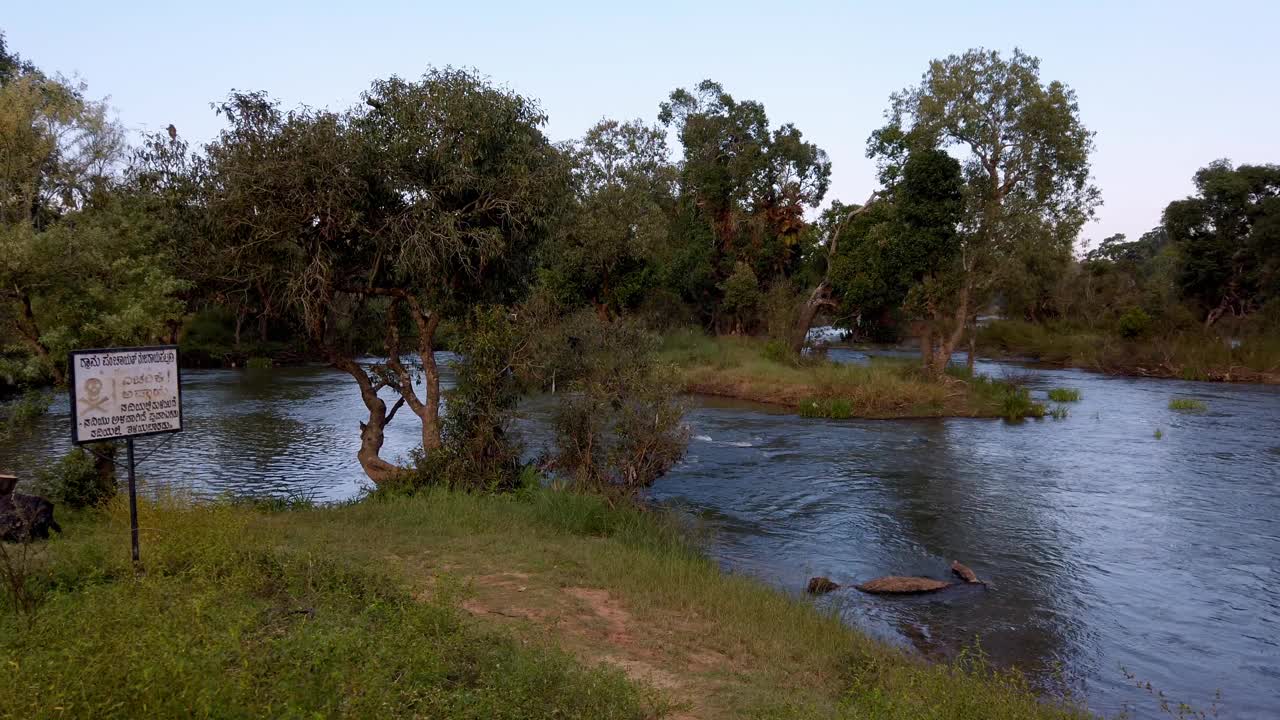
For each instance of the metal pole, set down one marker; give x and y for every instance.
(133, 503)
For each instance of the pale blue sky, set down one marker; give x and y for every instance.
(1167, 86)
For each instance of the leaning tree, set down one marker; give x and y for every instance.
(384, 221)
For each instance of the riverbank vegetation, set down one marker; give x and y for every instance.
(757, 370)
(534, 604)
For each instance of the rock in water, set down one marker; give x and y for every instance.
(821, 586)
(24, 517)
(898, 585)
(963, 572)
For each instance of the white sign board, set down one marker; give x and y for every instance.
(125, 392)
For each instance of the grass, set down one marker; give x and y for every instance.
(747, 368)
(449, 606)
(1189, 355)
(1059, 412)
(1187, 405)
(1064, 395)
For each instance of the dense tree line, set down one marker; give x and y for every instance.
(385, 227)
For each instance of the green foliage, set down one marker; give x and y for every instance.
(1027, 186)
(479, 453)
(830, 408)
(1158, 434)
(1134, 323)
(777, 351)
(1228, 236)
(259, 363)
(1187, 405)
(620, 426)
(78, 479)
(1063, 395)
(17, 415)
(1015, 403)
(742, 296)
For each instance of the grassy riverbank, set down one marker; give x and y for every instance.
(740, 367)
(444, 605)
(1189, 356)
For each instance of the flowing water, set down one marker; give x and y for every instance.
(1105, 546)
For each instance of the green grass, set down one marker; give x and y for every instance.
(1189, 355)
(1187, 405)
(751, 369)
(1059, 412)
(1063, 395)
(354, 611)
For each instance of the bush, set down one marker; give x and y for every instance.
(777, 351)
(619, 427)
(478, 451)
(1134, 323)
(79, 479)
(1015, 404)
(19, 414)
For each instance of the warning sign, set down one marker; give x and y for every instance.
(125, 392)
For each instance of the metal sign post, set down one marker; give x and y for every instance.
(125, 393)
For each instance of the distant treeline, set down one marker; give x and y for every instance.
(376, 228)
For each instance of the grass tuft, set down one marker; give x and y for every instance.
(1187, 405)
(1063, 395)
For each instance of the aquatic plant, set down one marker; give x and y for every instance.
(829, 408)
(1064, 395)
(1059, 412)
(1158, 433)
(1187, 405)
(1015, 404)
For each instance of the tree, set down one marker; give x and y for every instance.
(620, 223)
(387, 219)
(1229, 238)
(901, 251)
(749, 185)
(1026, 169)
(78, 265)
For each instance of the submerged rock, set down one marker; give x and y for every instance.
(899, 585)
(23, 517)
(963, 572)
(821, 586)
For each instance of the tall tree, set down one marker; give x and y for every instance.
(749, 184)
(1229, 237)
(1026, 169)
(58, 152)
(388, 219)
(620, 224)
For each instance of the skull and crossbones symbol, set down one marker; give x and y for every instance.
(93, 398)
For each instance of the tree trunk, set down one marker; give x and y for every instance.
(30, 332)
(371, 432)
(240, 313)
(819, 298)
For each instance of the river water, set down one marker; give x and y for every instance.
(1108, 546)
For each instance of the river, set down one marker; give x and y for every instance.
(1107, 545)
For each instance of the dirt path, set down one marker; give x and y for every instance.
(597, 627)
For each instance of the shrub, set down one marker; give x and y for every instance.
(259, 363)
(777, 351)
(478, 453)
(742, 297)
(620, 426)
(19, 414)
(1064, 395)
(1134, 323)
(79, 479)
(1015, 403)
